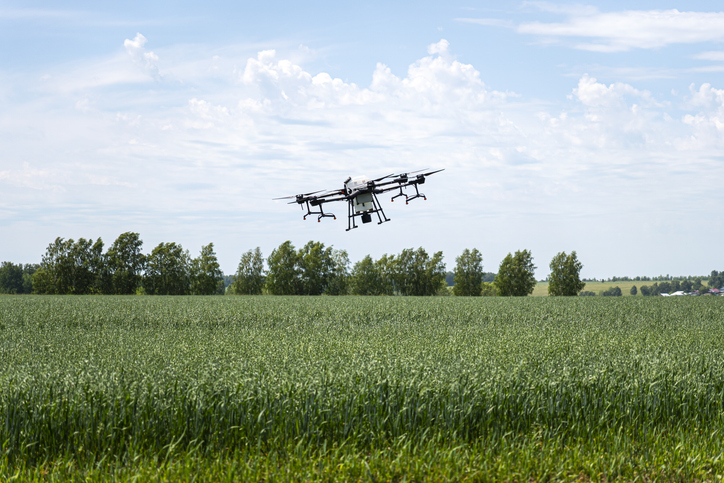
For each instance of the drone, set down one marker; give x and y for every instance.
(360, 193)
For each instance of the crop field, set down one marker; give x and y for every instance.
(361, 388)
(541, 288)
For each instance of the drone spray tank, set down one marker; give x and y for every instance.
(363, 202)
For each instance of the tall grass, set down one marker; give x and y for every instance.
(89, 378)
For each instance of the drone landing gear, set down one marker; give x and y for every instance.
(398, 195)
(366, 216)
(416, 195)
(321, 213)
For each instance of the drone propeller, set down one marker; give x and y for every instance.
(297, 196)
(384, 177)
(431, 172)
(330, 193)
(400, 178)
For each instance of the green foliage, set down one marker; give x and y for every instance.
(487, 289)
(469, 273)
(368, 278)
(526, 389)
(414, 272)
(70, 267)
(338, 282)
(11, 278)
(249, 274)
(313, 270)
(587, 293)
(126, 263)
(316, 267)
(633, 290)
(612, 292)
(206, 272)
(516, 275)
(283, 276)
(716, 279)
(565, 279)
(167, 270)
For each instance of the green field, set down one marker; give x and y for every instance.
(361, 388)
(541, 288)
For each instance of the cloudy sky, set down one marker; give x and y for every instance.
(596, 127)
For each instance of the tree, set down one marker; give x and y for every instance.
(385, 266)
(11, 278)
(565, 275)
(612, 292)
(416, 273)
(686, 285)
(316, 267)
(338, 283)
(283, 275)
(206, 272)
(366, 278)
(126, 263)
(28, 271)
(633, 290)
(516, 275)
(249, 274)
(70, 267)
(664, 287)
(469, 273)
(55, 272)
(167, 270)
(487, 289)
(716, 279)
(645, 290)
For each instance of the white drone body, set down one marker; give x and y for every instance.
(362, 201)
(360, 194)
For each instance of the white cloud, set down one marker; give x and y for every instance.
(631, 29)
(595, 94)
(146, 60)
(707, 96)
(708, 122)
(717, 56)
(255, 126)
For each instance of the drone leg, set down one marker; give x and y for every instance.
(398, 195)
(378, 209)
(417, 195)
(350, 216)
(322, 214)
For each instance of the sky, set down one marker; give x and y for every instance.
(596, 127)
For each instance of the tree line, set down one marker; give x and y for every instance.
(83, 267)
(315, 269)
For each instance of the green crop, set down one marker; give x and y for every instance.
(94, 377)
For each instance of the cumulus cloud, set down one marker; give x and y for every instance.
(708, 122)
(265, 124)
(146, 60)
(594, 94)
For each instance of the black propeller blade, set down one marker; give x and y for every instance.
(297, 196)
(431, 172)
(384, 177)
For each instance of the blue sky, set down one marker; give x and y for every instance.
(596, 127)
